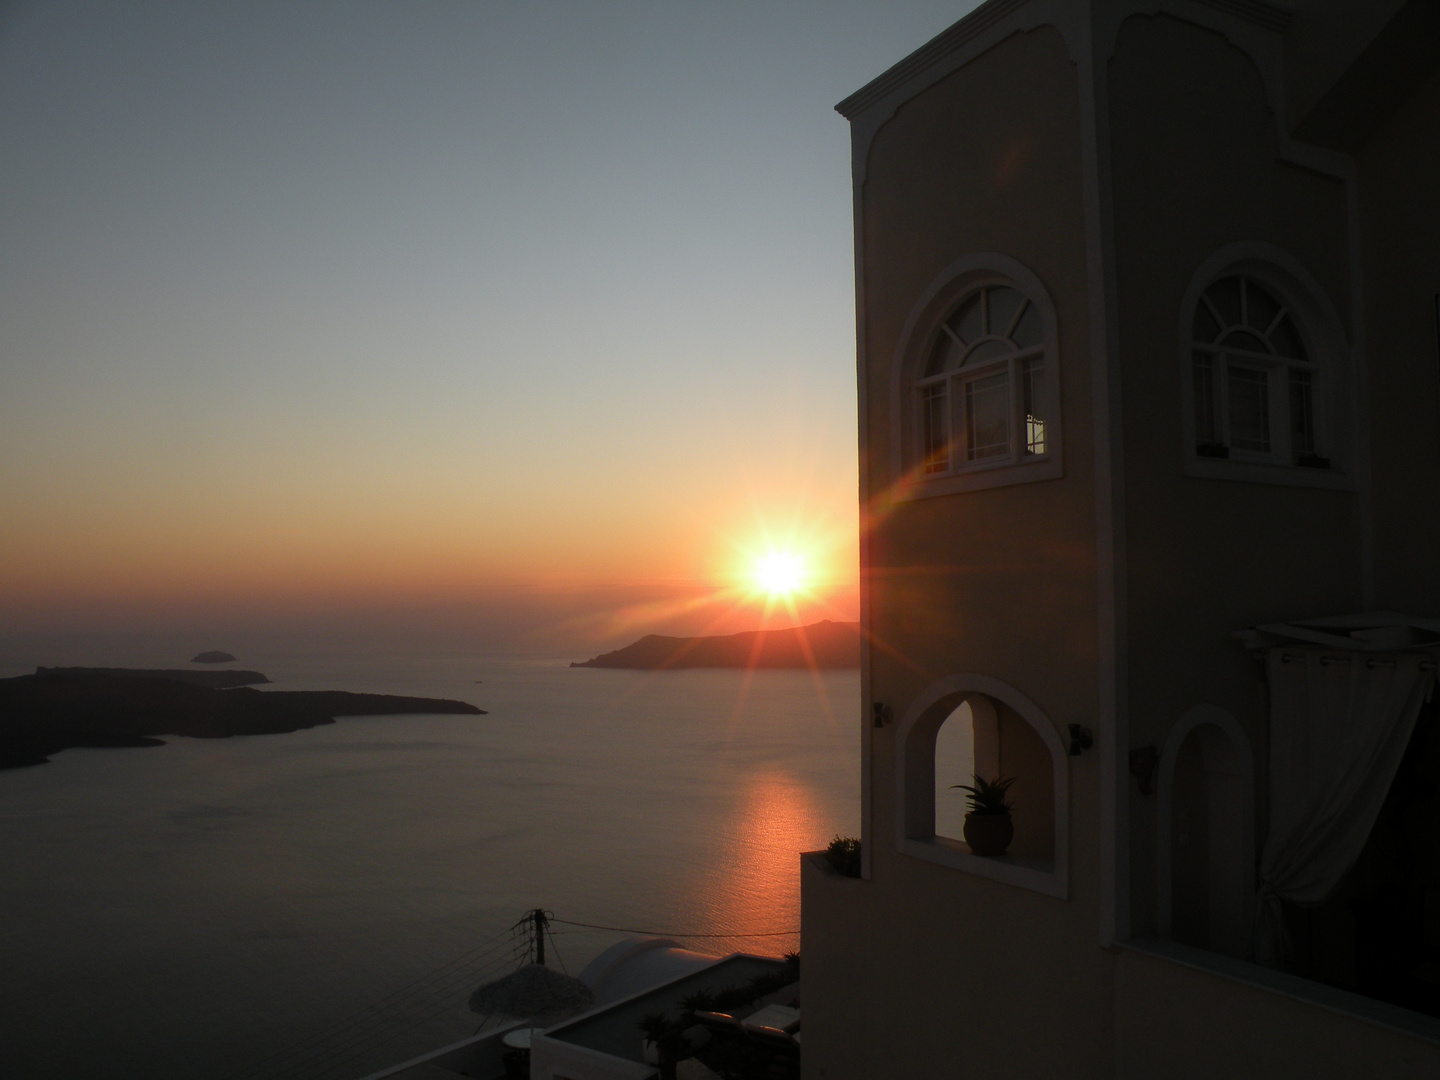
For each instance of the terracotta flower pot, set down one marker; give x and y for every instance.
(988, 834)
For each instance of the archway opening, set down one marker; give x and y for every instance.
(1211, 900)
(985, 736)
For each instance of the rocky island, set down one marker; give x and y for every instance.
(213, 656)
(220, 680)
(820, 645)
(58, 708)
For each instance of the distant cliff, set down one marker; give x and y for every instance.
(53, 710)
(821, 645)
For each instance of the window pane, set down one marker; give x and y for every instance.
(1225, 295)
(987, 417)
(1033, 391)
(1249, 408)
(966, 320)
(1027, 331)
(1302, 413)
(1004, 306)
(948, 355)
(1205, 399)
(934, 428)
(1206, 329)
(1286, 341)
(1260, 307)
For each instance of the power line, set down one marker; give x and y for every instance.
(673, 933)
(396, 1013)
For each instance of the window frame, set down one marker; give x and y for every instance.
(912, 386)
(1326, 362)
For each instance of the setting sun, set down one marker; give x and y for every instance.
(780, 573)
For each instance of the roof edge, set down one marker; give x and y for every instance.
(1260, 12)
(938, 47)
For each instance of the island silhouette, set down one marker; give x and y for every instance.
(59, 708)
(823, 644)
(220, 680)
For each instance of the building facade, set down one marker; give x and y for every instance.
(1149, 402)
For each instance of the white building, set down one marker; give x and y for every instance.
(1147, 357)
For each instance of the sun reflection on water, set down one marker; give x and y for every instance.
(754, 883)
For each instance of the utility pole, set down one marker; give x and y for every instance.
(540, 924)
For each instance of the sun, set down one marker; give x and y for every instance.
(781, 573)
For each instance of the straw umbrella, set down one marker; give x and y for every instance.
(532, 993)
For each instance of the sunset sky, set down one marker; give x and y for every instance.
(532, 320)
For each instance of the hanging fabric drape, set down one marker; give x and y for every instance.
(1339, 726)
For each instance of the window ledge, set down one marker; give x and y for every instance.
(1037, 875)
(1256, 473)
(977, 479)
(1380, 1013)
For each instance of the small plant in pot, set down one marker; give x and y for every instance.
(988, 825)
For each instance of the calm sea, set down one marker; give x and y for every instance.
(331, 896)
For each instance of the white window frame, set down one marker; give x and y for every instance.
(922, 333)
(1327, 362)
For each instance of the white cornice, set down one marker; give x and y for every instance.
(934, 50)
(1270, 16)
(1259, 12)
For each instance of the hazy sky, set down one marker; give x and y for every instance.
(463, 308)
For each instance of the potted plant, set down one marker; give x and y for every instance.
(988, 825)
(663, 1045)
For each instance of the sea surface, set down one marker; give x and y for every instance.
(321, 903)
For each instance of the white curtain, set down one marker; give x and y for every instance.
(1338, 729)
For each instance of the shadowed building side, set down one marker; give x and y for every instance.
(1149, 405)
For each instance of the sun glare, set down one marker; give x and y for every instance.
(780, 573)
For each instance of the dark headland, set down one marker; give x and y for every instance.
(56, 709)
(820, 645)
(219, 680)
(214, 656)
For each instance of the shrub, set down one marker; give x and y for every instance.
(843, 855)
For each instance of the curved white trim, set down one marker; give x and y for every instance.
(1193, 718)
(915, 785)
(1323, 332)
(947, 289)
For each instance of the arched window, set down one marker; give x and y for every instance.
(983, 397)
(1256, 385)
(975, 399)
(975, 724)
(1265, 365)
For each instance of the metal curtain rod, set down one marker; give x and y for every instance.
(1325, 661)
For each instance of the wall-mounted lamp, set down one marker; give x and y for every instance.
(881, 713)
(1143, 762)
(1080, 739)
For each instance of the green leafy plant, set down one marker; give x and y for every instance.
(669, 1039)
(843, 855)
(988, 797)
(655, 1026)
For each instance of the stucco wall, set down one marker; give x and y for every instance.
(999, 582)
(1196, 168)
(1399, 173)
(1180, 1023)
